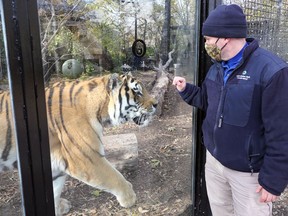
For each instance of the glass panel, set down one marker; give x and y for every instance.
(84, 39)
(10, 197)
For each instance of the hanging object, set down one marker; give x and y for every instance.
(139, 48)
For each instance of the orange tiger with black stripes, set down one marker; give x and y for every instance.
(76, 112)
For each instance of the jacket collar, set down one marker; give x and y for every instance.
(252, 46)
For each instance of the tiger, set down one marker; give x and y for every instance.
(77, 111)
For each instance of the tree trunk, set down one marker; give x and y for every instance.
(55, 53)
(165, 38)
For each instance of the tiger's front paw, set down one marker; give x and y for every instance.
(128, 197)
(63, 207)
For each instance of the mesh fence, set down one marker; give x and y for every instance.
(268, 23)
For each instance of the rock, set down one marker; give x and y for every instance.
(122, 151)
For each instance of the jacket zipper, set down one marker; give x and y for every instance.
(220, 114)
(220, 121)
(219, 118)
(223, 93)
(250, 162)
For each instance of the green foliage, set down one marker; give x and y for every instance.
(96, 193)
(155, 163)
(110, 41)
(90, 69)
(63, 40)
(150, 51)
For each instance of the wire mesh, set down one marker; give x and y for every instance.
(268, 23)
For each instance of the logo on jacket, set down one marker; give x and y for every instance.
(243, 76)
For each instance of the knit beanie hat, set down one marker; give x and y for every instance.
(226, 21)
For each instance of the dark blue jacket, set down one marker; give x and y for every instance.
(246, 122)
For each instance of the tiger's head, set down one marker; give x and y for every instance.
(129, 100)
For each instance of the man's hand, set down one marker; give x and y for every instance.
(265, 195)
(180, 83)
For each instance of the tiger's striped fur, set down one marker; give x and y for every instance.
(76, 112)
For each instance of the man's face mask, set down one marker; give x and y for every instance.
(214, 51)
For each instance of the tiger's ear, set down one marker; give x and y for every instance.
(128, 74)
(114, 82)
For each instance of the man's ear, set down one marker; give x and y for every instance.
(227, 40)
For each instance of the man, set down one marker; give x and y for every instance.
(245, 130)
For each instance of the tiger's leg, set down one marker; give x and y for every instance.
(101, 174)
(58, 165)
(86, 162)
(62, 206)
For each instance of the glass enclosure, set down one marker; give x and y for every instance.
(151, 40)
(81, 39)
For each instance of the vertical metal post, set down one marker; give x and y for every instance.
(136, 7)
(136, 24)
(201, 203)
(22, 44)
(200, 200)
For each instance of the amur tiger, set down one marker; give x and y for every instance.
(76, 112)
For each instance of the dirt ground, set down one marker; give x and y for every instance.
(161, 180)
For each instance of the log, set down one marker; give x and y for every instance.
(159, 90)
(161, 84)
(121, 151)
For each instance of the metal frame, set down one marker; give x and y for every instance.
(200, 200)
(22, 44)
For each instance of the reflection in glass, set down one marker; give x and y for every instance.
(10, 197)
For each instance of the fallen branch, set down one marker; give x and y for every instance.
(161, 84)
(163, 68)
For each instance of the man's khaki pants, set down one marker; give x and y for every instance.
(233, 193)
